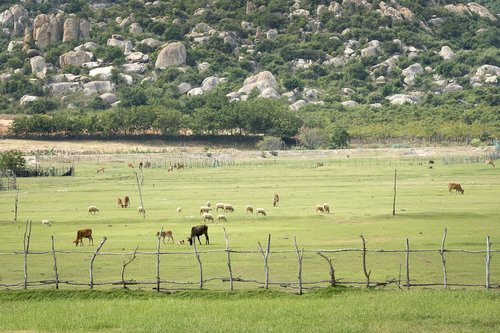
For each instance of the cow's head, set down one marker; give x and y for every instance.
(190, 240)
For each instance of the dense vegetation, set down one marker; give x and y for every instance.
(156, 106)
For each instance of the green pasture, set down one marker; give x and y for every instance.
(327, 310)
(358, 190)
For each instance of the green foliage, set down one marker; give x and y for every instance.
(110, 54)
(133, 96)
(12, 160)
(270, 143)
(41, 106)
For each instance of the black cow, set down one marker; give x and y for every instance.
(197, 231)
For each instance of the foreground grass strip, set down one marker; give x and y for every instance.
(328, 310)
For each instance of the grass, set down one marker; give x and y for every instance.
(326, 310)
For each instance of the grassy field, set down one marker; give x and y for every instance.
(326, 310)
(359, 191)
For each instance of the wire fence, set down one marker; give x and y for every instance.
(296, 269)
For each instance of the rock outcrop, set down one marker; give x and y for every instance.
(174, 54)
(74, 58)
(38, 66)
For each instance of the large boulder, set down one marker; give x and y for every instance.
(108, 98)
(15, 18)
(38, 66)
(151, 42)
(260, 81)
(452, 87)
(400, 99)
(71, 29)
(174, 54)
(370, 51)
(74, 58)
(64, 87)
(103, 73)
(27, 99)
(134, 68)
(446, 53)
(135, 28)
(98, 87)
(137, 57)
(184, 87)
(470, 8)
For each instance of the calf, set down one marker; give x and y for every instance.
(126, 201)
(489, 162)
(84, 233)
(120, 203)
(455, 186)
(197, 231)
(167, 234)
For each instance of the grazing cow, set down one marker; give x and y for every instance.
(167, 234)
(249, 209)
(141, 210)
(126, 201)
(276, 199)
(120, 203)
(261, 211)
(319, 209)
(489, 162)
(130, 165)
(326, 208)
(221, 218)
(179, 166)
(197, 231)
(100, 170)
(218, 206)
(140, 165)
(179, 242)
(93, 210)
(170, 168)
(208, 217)
(228, 208)
(81, 234)
(455, 186)
(205, 209)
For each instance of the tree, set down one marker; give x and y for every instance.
(12, 160)
(340, 137)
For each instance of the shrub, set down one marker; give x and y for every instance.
(271, 143)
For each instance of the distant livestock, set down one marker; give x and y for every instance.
(260, 211)
(218, 206)
(326, 208)
(319, 209)
(167, 234)
(228, 208)
(119, 203)
(83, 233)
(221, 218)
(179, 210)
(197, 231)
(179, 242)
(489, 162)
(141, 210)
(100, 170)
(249, 209)
(276, 200)
(126, 201)
(46, 222)
(130, 165)
(205, 209)
(455, 186)
(208, 217)
(93, 210)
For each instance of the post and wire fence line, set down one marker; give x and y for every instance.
(297, 269)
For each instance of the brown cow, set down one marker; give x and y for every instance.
(489, 162)
(100, 170)
(126, 201)
(276, 199)
(179, 166)
(167, 234)
(130, 165)
(455, 186)
(119, 203)
(84, 233)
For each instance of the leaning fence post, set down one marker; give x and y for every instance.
(199, 262)
(407, 263)
(367, 273)
(332, 270)
(26, 244)
(55, 264)
(92, 262)
(443, 259)
(266, 256)
(300, 256)
(158, 260)
(125, 265)
(488, 258)
(228, 251)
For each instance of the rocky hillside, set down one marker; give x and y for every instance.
(317, 60)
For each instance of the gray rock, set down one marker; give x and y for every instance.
(108, 98)
(349, 103)
(135, 28)
(184, 87)
(174, 54)
(134, 68)
(260, 81)
(30, 53)
(452, 87)
(400, 99)
(98, 87)
(64, 87)
(151, 42)
(12, 45)
(103, 73)
(209, 83)
(38, 66)
(137, 57)
(27, 99)
(412, 70)
(272, 34)
(297, 105)
(310, 95)
(195, 92)
(75, 58)
(370, 51)
(269, 93)
(446, 53)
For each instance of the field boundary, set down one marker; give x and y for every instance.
(366, 260)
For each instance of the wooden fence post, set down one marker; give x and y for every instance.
(125, 265)
(443, 259)
(394, 199)
(26, 245)
(199, 262)
(488, 258)
(55, 263)
(332, 270)
(300, 256)
(158, 260)
(228, 251)
(407, 264)
(92, 262)
(367, 273)
(140, 195)
(266, 256)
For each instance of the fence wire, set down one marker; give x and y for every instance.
(181, 270)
